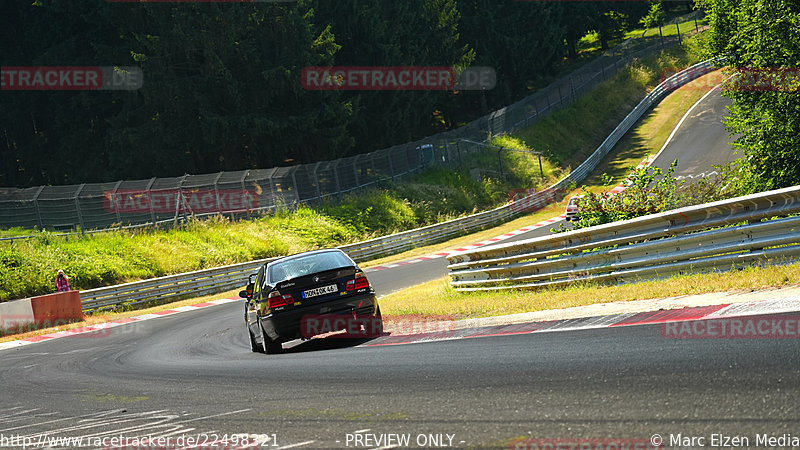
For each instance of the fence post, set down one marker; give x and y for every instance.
(182, 199)
(294, 183)
(78, 206)
(244, 189)
(36, 208)
(541, 169)
(460, 160)
(500, 161)
(316, 180)
(112, 200)
(372, 164)
(272, 189)
(572, 87)
(355, 173)
(150, 202)
(216, 193)
(391, 165)
(336, 176)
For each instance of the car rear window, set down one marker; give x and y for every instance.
(305, 265)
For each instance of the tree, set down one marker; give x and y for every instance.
(522, 41)
(221, 91)
(407, 33)
(654, 17)
(759, 40)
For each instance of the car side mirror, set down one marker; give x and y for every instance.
(244, 294)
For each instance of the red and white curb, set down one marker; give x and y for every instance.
(624, 185)
(105, 327)
(515, 324)
(455, 330)
(465, 248)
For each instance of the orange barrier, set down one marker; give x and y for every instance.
(57, 308)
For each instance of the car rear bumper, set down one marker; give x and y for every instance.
(287, 325)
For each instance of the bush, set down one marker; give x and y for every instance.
(652, 191)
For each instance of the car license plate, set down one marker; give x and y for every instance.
(320, 291)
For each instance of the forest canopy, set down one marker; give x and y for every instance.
(221, 81)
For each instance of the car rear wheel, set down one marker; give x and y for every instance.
(377, 329)
(255, 347)
(270, 347)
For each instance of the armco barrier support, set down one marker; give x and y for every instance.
(42, 311)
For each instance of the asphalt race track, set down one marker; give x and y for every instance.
(192, 375)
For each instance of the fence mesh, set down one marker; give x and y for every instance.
(244, 193)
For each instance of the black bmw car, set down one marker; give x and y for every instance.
(308, 294)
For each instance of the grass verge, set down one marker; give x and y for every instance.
(436, 298)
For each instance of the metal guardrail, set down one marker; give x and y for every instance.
(219, 279)
(698, 238)
(668, 85)
(208, 281)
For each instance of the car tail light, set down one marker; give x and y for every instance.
(276, 299)
(359, 282)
